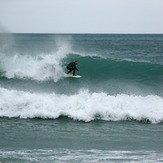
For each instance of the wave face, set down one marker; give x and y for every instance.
(122, 77)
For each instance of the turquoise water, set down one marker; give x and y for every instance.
(112, 114)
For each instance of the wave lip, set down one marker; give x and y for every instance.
(83, 106)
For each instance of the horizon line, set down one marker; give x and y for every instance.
(66, 33)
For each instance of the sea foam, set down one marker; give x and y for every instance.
(84, 106)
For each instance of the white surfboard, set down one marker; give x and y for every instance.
(73, 76)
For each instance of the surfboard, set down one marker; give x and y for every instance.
(73, 76)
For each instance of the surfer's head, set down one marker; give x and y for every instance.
(76, 62)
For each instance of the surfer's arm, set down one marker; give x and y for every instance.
(76, 68)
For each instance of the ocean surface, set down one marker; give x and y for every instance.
(114, 113)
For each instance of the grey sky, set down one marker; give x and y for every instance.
(81, 16)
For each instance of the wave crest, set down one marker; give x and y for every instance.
(82, 106)
(39, 67)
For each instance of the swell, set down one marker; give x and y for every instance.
(52, 67)
(46, 73)
(108, 68)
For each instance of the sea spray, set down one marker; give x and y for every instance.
(38, 67)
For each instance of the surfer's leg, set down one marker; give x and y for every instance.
(74, 72)
(69, 70)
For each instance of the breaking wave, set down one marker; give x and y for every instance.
(83, 106)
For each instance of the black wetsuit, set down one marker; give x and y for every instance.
(72, 67)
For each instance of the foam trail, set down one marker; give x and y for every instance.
(83, 106)
(39, 67)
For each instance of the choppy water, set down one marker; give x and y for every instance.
(114, 113)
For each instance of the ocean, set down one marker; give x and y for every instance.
(114, 113)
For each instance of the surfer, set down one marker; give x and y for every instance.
(72, 67)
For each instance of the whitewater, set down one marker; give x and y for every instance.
(114, 113)
(83, 106)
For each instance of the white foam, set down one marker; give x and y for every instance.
(84, 54)
(70, 155)
(39, 67)
(83, 106)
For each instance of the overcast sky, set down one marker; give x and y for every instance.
(81, 16)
